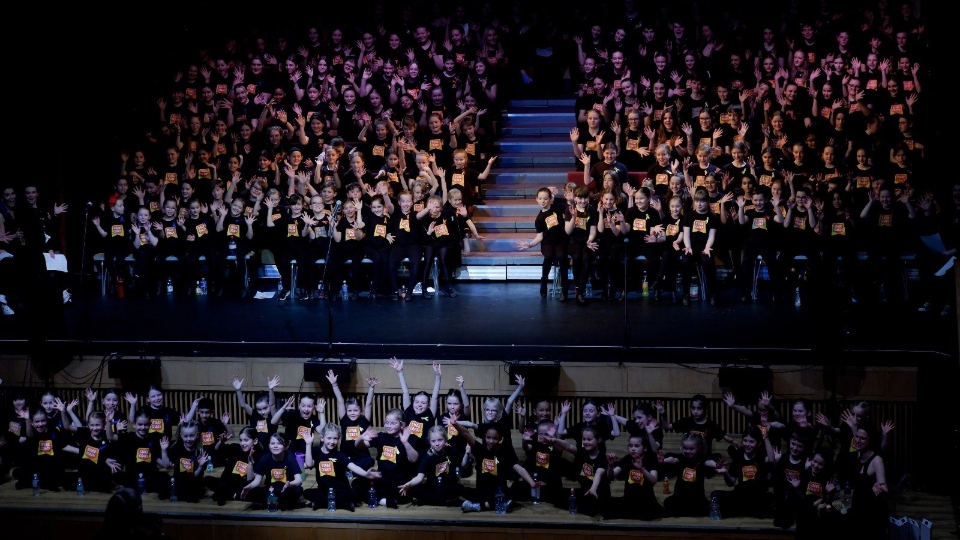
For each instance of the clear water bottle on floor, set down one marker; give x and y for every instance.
(714, 507)
(679, 288)
(173, 490)
(203, 286)
(458, 474)
(198, 291)
(535, 491)
(344, 291)
(331, 501)
(645, 287)
(796, 297)
(573, 502)
(169, 285)
(589, 289)
(372, 501)
(695, 288)
(273, 503)
(142, 486)
(209, 469)
(500, 504)
(36, 485)
(80, 491)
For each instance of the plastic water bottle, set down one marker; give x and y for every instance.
(645, 286)
(273, 504)
(372, 494)
(209, 467)
(331, 501)
(796, 297)
(573, 502)
(80, 492)
(847, 499)
(344, 291)
(666, 485)
(169, 286)
(142, 486)
(535, 491)
(695, 288)
(173, 490)
(589, 289)
(36, 485)
(198, 290)
(458, 474)
(500, 505)
(403, 292)
(203, 286)
(679, 288)
(714, 507)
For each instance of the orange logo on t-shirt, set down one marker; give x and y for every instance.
(233, 229)
(143, 455)
(636, 477)
(303, 431)
(441, 230)
(749, 472)
(591, 145)
(451, 431)
(489, 466)
(633, 144)
(380, 230)
(14, 427)
(551, 221)
(899, 178)
(838, 229)
(800, 222)
(760, 223)
(766, 180)
(45, 448)
(116, 230)
(170, 232)
(700, 226)
(543, 460)
(206, 438)
(326, 468)
(689, 475)
(441, 468)
(292, 230)
(278, 475)
(587, 470)
(815, 488)
(673, 229)
(663, 179)
(416, 428)
(241, 468)
(471, 149)
(886, 220)
(378, 150)
(580, 223)
(389, 453)
(262, 426)
(353, 433)
(639, 224)
(700, 181)
(863, 181)
(458, 179)
(156, 425)
(186, 465)
(351, 234)
(436, 144)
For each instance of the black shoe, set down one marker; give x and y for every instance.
(451, 292)
(563, 296)
(427, 295)
(543, 293)
(314, 505)
(284, 294)
(713, 300)
(581, 300)
(350, 507)
(355, 296)
(686, 300)
(408, 297)
(392, 503)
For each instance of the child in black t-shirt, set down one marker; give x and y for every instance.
(265, 409)
(690, 468)
(213, 431)
(353, 422)
(762, 221)
(437, 482)
(282, 473)
(553, 240)
(395, 456)
(589, 470)
(239, 460)
(748, 474)
(697, 423)
(330, 465)
(188, 461)
(97, 448)
(638, 470)
(699, 235)
(496, 464)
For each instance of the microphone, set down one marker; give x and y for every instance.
(337, 205)
(89, 204)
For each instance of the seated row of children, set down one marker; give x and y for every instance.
(421, 454)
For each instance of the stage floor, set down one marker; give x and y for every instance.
(500, 320)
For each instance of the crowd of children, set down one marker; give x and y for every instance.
(798, 470)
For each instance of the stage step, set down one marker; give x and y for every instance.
(529, 145)
(541, 118)
(524, 103)
(495, 208)
(543, 175)
(529, 131)
(540, 159)
(505, 224)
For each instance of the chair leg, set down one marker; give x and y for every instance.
(556, 281)
(756, 276)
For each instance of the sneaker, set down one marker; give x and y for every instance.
(468, 506)
(3, 299)
(925, 307)
(428, 294)
(451, 292)
(947, 309)
(7, 310)
(581, 300)
(431, 290)
(285, 294)
(418, 288)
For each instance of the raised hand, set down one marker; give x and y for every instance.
(396, 364)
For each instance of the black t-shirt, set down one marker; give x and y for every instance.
(585, 469)
(689, 474)
(419, 425)
(392, 459)
(761, 225)
(138, 455)
(405, 228)
(550, 223)
(636, 487)
(582, 222)
(162, 420)
(184, 460)
(709, 430)
(700, 227)
(494, 467)
(293, 429)
(277, 471)
(640, 224)
(237, 463)
(94, 451)
(445, 230)
(331, 470)
(350, 431)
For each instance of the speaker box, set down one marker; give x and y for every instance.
(538, 378)
(316, 370)
(134, 369)
(746, 382)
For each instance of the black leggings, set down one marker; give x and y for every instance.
(440, 252)
(708, 268)
(381, 265)
(581, 261)
(551, 253)
(413, 252)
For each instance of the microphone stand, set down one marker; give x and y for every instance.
(83, 262)
(323, 280)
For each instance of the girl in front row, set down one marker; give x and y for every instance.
(495, 464)
(638, 470)
(553, 240)
(396, 457)
(331, 466)
(283, 474)
(420, 412)
(437, 483)
(690, 468)
(589, 470)
(188, 461)
(240, 460)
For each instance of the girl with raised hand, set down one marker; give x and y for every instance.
(493, 410)
(188, 461)
(330, 466)
(352, 422)
(689, 467)
(589, 470)
(420, 412)
(553, 240)
(638, 470)
(162, 418)
(265, 404)
(495, 464)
